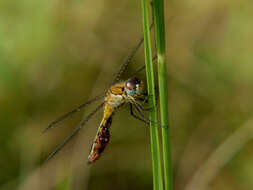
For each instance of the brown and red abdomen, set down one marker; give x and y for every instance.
(101, 140)
(114, 100)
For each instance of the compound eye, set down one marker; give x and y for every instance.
(131, 85)
(130, 88)
(132, 82)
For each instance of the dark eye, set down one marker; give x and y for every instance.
(132, 82)
(131, 85)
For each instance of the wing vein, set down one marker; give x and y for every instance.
(74, 132)
(67, 115)
(129, 58)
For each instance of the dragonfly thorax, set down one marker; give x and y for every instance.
(115, 100)
(120, 93)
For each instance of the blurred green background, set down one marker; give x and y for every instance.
(55, 54)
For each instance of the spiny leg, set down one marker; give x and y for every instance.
(144, 118)
(135, 116)
(141, 117)
(141, 106)
(141, 114)
(144, 98)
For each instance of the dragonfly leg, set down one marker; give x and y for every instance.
(142, 108)
(135, 116)
(146, 119)
(145, 96)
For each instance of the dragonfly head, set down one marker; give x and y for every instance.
(133, 86)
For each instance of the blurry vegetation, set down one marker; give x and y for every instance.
(56, 54)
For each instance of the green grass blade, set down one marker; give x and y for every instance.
(154, 133)
(158, 13)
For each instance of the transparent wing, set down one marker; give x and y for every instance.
(143, 66)
(74, 133)
(69, 114)
(129, 59)
(155, 57)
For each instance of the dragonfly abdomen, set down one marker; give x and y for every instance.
(101, 139)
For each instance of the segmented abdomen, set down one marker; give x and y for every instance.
(101, 140)
(114, 99)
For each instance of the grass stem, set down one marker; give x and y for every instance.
(158, 14)
(154, 132)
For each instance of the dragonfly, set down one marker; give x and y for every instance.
(129, 92)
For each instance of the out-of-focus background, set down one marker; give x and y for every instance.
(54, 55)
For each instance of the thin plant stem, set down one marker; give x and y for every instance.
(154, 133)
(158, 15)
(215, 162)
